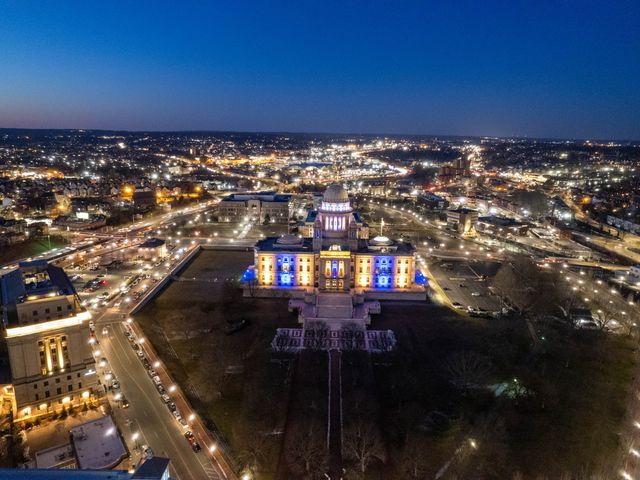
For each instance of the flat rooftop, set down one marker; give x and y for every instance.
(98, 444)
(60, 456)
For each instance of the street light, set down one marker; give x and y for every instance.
(212, 448)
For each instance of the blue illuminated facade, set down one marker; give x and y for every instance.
(383, 271)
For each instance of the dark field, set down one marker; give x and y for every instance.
(479, 395)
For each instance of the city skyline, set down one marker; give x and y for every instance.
(517, 71)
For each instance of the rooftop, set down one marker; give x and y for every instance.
(153, 243)
(97, 444)
(262, 196)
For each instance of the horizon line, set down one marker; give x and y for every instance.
(285, 132)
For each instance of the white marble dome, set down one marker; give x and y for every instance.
(335, 194)
(380, 240)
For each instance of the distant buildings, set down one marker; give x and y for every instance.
(254, 207)
(561, 210)
(622, 224)
(463, 220)
(459, 168)
(153, 248)
(47, 335)
(501, 226)
(80, 222)
(12, 231)
(432, 201)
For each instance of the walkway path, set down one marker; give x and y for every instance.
(334, 430)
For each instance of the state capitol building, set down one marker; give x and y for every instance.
(335, 254)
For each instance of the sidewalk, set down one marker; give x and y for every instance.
(206, 440)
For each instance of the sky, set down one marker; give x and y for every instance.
(561, 69)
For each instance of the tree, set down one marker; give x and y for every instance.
(467, 370)
(529, 288)
(256, 451)
(282, 342)
(414, 464)
(316, 335)
(306, 452)
(605, 312)
(352, 336)
(383, 342)
(363, 445)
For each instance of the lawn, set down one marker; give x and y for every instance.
(560, 406)
(30, 248)
(561, 410)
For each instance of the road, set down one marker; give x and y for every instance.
(148, 415)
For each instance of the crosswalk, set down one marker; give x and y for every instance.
(211, 472)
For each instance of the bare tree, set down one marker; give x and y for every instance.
(467, 370)
(383, 342)
(316, 335)
(533, 290)
(363, 444)
(605, 312)
(306, 452)
(414, 464)
(282, 342)
(351, 336)
(255, 452)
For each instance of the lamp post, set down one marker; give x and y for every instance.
(135, 438)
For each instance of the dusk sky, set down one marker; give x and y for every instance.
(527, 68)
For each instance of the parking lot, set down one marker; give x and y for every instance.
(467, 283)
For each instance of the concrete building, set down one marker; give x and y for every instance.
(463, 220)
(47, 335)
(154, 468)
(93, 445)
(264, 207)
(339, 257)
(622, 224)
(501, 226)
(153, 248)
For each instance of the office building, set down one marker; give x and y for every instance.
(47, 335)
(254, 207)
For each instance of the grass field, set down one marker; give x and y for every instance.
(30, 248)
